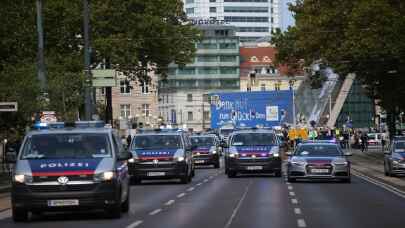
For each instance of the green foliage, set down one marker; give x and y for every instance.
(366, 37)
(134, 33)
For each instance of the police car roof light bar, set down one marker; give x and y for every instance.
(89, 124)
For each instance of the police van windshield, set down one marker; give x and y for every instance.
(202, 141)
(318, 151)
(253, 139)
(59, 146)
(157, 142)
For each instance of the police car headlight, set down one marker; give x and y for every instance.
(233, 155)
(104, 176)
(132, 160)
(214, 152)
(180, 158)
(20, 178)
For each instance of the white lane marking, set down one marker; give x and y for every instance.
(5, 214)
(301, 223)
(206, 180)
(190, 189)
(292, 193)
(288, 183)
(290, 187)
(297, 211)
(135, 224)
(155, 212)
(228, 224)
(294, 201)
(181, 195)
(387, 187)
(199, 184)
(170, 202)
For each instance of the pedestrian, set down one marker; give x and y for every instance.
(129, 139)
(384, 140)
(364, 142)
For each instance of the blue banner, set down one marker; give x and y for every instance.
(252, 109)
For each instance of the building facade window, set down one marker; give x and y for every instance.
(206, 115)
(190, 97)
(146, 110)
(263, 87)
(229, 70)
(227, 46)
(245, 9)
(247, 19)
(186, 71)
(213, 9)
(213, 0)
(277, 86)
(144, 87)
(190, 10)
(207, 58)
(125, 110)
(253, 29)
(102, 91)
(125, 88)
(205, 97)
(208, 70)
(227, 58)
(189, 1)
(190, 116)
(207, 46)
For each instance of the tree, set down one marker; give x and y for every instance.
(365, 37)
(135, 35)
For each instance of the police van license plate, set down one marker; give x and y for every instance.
(319, 170)
(62, 203)
(156, 174)
(254, 168)
(199, 161)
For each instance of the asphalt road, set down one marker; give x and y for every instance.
(212, 200)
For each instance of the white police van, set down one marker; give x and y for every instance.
(62, 168)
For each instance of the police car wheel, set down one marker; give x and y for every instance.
(20, 215)
(231, 174)
(135, 180)
(125, 204)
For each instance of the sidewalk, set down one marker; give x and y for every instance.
(5, 183)
(371, 164)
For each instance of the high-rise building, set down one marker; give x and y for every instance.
(184, 96)
(254, 19)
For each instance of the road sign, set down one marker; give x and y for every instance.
(8, 106)
(104, 78)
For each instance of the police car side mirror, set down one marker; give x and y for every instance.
(125, 156)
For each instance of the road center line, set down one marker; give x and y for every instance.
(206, 180)
(135, 224)
(155, 212)
(199, 184)
(190, 189)
(289, 187)
(297, 211)
(301, 223)
(292, 193)
(181, 195)
(235, 211)
(294, 201)
(170, 202)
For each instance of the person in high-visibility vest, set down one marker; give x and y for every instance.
(313, 134)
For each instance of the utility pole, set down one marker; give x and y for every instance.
(41, 58)
(203, 120)
(87, 53)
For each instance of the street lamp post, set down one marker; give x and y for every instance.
(291, 83)
(87, 53)
(41, 58)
